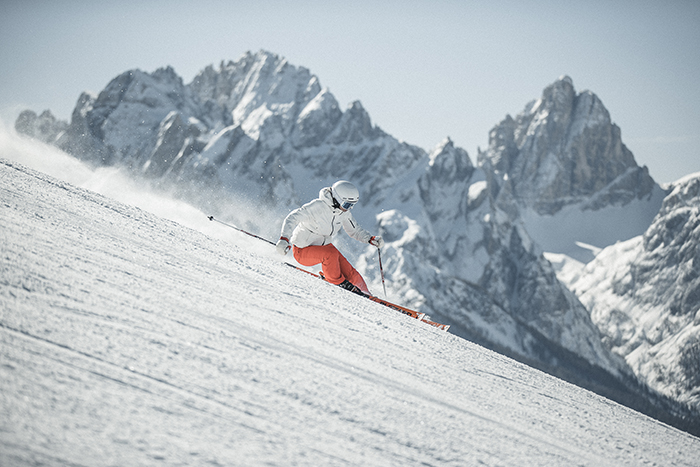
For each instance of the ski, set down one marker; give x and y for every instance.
(444, 327)
(401, 309)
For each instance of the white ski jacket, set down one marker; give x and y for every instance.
(318, 222)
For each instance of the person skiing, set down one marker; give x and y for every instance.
(310, 230)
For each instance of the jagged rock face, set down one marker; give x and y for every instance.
(644, 295)
(79, 139)
(498, 291)
(43, 127)
(449, 169)
(564, 149)
(318, 119)
(253, 89)
(122, 124)
(519, 280)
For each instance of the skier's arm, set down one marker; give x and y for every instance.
(294, 218)
(358, 233)
(283, 244)
(353, 228)
(290, 222)
(288, 225)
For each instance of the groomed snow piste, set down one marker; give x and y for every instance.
(129, 339)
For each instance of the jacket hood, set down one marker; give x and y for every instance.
(325, 195)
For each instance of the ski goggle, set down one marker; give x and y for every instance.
(347, 205)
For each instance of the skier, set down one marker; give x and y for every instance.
(312, 228)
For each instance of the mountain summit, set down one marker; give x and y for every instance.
(563, 149)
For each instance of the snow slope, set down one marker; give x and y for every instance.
(128, 339)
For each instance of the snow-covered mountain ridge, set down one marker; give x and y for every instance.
(459, 236)
(644, 293)
(127, 339)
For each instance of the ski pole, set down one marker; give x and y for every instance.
(211, 218)
(381, 269)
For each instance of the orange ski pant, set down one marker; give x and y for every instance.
(335, 267)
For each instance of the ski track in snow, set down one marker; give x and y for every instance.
(127, 339)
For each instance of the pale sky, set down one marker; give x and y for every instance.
(424, 70)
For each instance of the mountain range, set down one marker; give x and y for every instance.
(507, 250)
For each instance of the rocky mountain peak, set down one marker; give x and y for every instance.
(563, 149)
(44, 127)
(250, 90)
(449, 163)
(316, 120)
(355, 126)
(556, 104)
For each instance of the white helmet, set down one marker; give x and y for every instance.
(345, 194)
